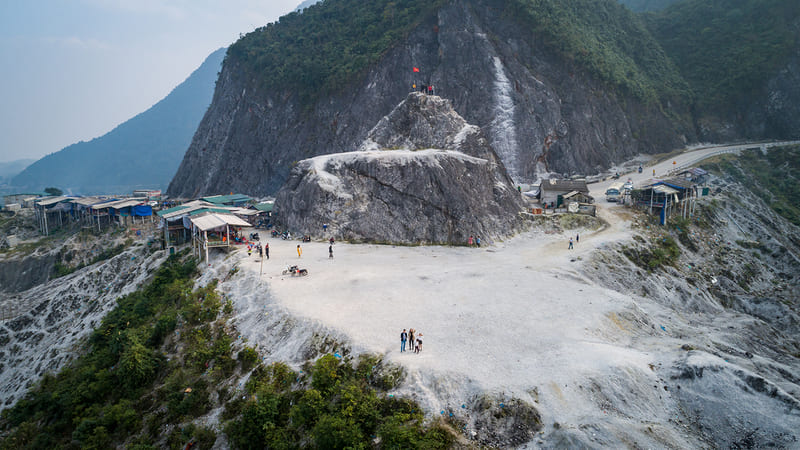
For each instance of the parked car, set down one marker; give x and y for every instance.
(628, 185)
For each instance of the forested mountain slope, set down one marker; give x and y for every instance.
(742, 61)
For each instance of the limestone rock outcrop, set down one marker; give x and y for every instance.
(423, 175)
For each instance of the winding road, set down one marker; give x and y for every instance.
(688, 158)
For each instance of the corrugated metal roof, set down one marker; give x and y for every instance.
(678, 183)
(86, 201)
(119, 204)
(665, 189)
(164, 212)
(222, 199)
(265, 207)
(211, 221)
(51, 200)
(697, 171)
(194, 206)
(244, 211)
(206, 210)
(105, 203)
(564, 185)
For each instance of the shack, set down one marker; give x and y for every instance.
(666, 197)
(50, 212)
(551, 192)
(24, 200)
(213, 230)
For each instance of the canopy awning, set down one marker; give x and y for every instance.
(212, 221)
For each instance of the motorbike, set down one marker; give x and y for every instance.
(254, 237)
(295, 271)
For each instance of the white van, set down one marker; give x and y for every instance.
(613, 192)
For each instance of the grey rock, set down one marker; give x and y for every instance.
(423, 175)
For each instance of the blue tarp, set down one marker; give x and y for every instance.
(142, 210)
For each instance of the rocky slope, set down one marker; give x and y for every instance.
(50, 320)
(540, 112)
(731, 296)
(422, 176)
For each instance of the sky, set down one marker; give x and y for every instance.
(72, 70)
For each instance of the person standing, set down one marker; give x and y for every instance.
(300, 250)
(411, 338)
(403, 338)
(570, 243)
(478, 241)
(330, 251)
(470, 241)
(577, 237)
(266, 250)
(418, 347)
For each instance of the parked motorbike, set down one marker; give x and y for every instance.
(295, 271)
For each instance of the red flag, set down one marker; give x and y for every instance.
(416, 69)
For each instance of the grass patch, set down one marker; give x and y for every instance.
(662, 251)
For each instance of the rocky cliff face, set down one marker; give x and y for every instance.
(540, 113)
(422, 175)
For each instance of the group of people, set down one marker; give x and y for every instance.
(414, 345)
(262, 251)
(474, 240)
(577, 238)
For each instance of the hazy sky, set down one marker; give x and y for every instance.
(72, 70)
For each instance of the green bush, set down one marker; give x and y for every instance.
(334, 431)
(248, 356)
(348, 414)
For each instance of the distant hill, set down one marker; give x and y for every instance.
(306, 4)
(143, 152)
(11, 168)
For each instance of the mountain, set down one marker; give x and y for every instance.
(305, 5)
(565, 87)
(423, 175)
(742, 61)
(143, 152)
(11, 168)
